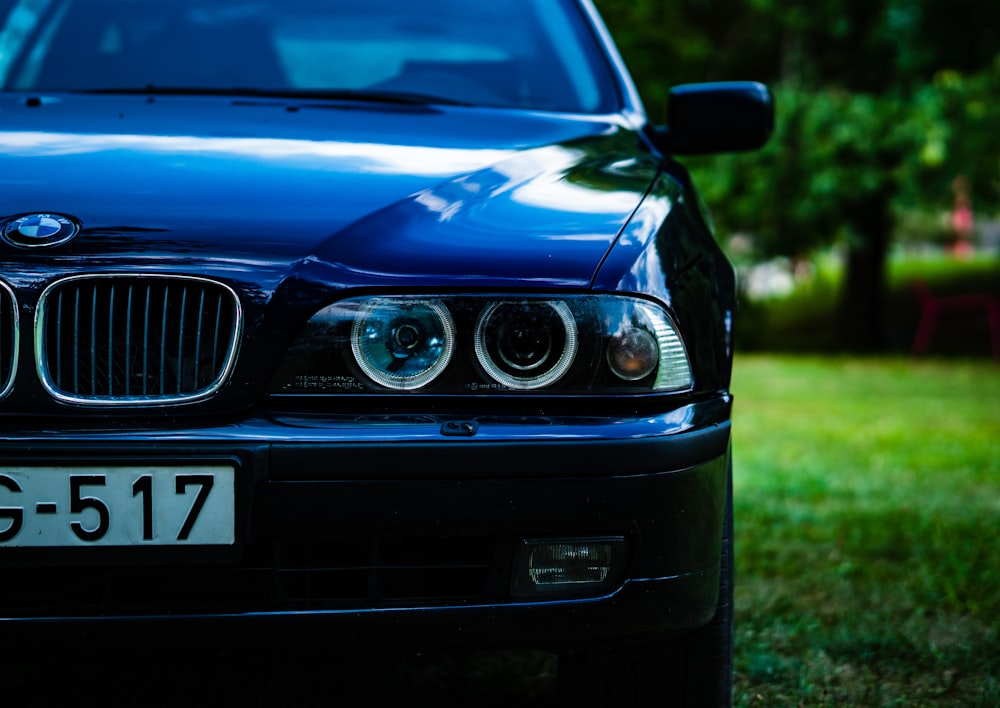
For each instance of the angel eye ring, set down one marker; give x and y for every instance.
(526, 344)
(403, 344)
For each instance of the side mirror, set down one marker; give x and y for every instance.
(717, 117)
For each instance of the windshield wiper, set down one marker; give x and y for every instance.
(365, 95)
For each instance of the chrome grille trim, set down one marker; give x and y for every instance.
(136, 339)
(10, 339)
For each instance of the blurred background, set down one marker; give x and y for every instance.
(883, 175)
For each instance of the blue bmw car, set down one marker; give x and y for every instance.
(379, 323)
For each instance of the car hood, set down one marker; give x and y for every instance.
(363, 194)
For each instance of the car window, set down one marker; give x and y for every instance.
(537, 54)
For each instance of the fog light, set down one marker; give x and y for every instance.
(569, 566)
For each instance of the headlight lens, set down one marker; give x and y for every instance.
(476, 344)
(403, 344)
(526, 344)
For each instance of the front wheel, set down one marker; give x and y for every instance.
(693, 670)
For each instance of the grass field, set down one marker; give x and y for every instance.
(867, 509)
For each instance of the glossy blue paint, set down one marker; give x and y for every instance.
(386, 192)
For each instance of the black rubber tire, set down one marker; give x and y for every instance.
(693, 670)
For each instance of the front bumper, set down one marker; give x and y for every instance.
(394, 527)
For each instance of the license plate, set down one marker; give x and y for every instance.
(117, 506)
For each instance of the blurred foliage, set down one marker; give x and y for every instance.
(873, 96)
(881, 104)
(833, 147)
(795, 195)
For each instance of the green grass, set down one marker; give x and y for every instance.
(867, 510)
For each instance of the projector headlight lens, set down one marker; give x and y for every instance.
(403, 344)
(526, 344)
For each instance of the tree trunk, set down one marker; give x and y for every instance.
(863, 300)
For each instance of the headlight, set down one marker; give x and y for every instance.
(402, 344)
(476, 344)
(526, 344)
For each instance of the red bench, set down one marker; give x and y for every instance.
(936, 308)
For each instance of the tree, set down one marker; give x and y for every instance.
(875, 103)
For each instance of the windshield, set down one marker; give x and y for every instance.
(536, 54)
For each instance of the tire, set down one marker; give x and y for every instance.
(695, 669)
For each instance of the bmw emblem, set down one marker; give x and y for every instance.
(39, 230)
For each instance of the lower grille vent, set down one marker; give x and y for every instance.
(285, 575)
(383, 572)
